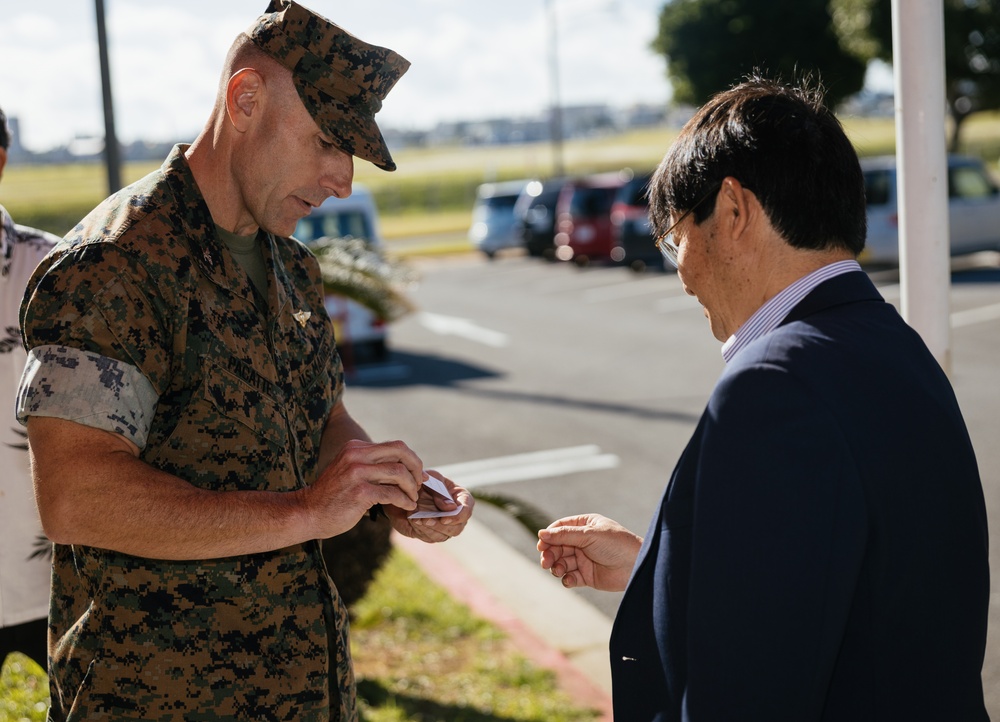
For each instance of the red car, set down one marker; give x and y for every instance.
(583, 219)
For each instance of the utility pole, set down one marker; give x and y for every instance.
(922, 171)
(112, 157)
(556, 112)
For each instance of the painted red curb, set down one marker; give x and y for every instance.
(437, 564)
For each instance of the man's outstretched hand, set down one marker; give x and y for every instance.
(589, 550)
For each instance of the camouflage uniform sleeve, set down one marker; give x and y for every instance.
(87, 388)
(99, 349)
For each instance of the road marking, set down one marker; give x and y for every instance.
(975, 315)
(532, 465)
(958, 319)
(464, 328)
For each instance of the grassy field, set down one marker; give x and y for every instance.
(433, 190)
(418, 656)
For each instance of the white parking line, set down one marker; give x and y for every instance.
(958, 319)
(972, 316)
(533, 465)
(462, 327)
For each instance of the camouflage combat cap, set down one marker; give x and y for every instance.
(342, 80)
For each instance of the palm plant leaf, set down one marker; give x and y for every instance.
(42, 548)
(23, 446)
(353, 269)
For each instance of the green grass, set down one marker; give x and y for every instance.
(418, 656)
(24, 690)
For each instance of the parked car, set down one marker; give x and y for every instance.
(535, 212)
(583, 218)
(359, 332)
(634, 244)
(973, 208)
(493, 222)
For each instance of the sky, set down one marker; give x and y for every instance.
(471, 59)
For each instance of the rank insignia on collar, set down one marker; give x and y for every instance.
(302, 317)
(207, 255)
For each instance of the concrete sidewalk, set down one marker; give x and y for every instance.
(553, 627)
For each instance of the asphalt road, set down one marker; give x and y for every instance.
(577, 389)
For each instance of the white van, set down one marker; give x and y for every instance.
(360, 334)
(973, 208)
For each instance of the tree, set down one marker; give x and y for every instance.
(971, 50)
(711, 44)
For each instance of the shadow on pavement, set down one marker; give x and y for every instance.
(414, 707)
(410, 369)
(977, 275)
(642, 412)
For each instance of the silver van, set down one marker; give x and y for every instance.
(973, 208)
(493, 222)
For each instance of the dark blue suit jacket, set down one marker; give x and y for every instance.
(821, 550)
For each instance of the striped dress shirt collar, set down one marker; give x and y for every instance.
(767, 318)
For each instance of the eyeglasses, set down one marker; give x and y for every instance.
(666, 243)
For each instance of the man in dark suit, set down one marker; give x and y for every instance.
(821, 550)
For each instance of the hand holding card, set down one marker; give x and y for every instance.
(435, 486)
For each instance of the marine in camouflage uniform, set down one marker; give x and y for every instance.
(143, 324)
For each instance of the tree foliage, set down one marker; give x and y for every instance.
(971, 49)
(712, 44)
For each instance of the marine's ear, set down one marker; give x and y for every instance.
(243, 97)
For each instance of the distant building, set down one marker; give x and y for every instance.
(16, 152)
(642, 116)
(870, 103)
(579, 121)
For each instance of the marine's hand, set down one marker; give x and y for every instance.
(435, 529)
(362, 475)
(589, 550)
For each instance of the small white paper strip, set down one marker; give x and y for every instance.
(437, 486)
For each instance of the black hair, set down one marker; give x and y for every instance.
(783, 144)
